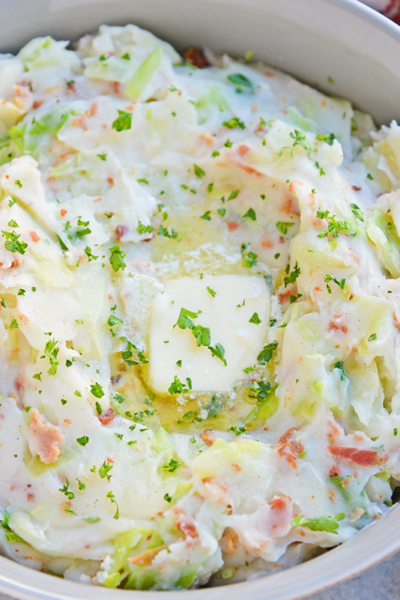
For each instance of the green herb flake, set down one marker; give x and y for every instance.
(234, 123)
(96, 390)
(117, 258)
(251, 215)
(123, 122)
(82, 441)
(198, 171)
(283, 226)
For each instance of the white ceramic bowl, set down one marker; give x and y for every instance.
(311, 39)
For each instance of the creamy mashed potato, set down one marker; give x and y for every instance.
(199, 314)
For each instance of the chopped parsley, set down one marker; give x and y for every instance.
(96, 390)
(198, 171)
(111, 496)
(255, 319)
(233, 124)
(123, 122)
(202, 334)
(141, 228)
(250, 214)
(210, 291)
(218, 352)
(291, 276)
(65, 490)
(326, 137)
(117, 258)
(172, 466)
(240, 80)
(282, 227)
(267, 352)
(82, 441)
(51, 352)
(13, 243)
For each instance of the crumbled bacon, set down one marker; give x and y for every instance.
(45, 438)
(288, 448)
(196, 57)
(107, 416)
(355, 455)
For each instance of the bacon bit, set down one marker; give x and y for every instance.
(396, 322)
(243, 149)
(230, 541)
(278, 503)
(287, 448)
(269, 74)
(290, 207)
(99, 200)
(93, 110)
(120, 231)
(80, 122)
(186, 526)
(110, 180)
(232, 225)
(284, 296)
(107, 416)
(71, 87)
(334, 471)
(115, 87)
(37, 103)
(266, 244)
(30, 497)
(208, 437)
(19, 383)
(67, 422)
(291, 186)
(359, 457)
(23, 318)
(281, 239)
(19, 103)
(249, 170)
(146, 558)
(14, 263)
(355, 188)
(22, 91)
(337, 323)
(207, 138)
(34, 236)
(45, 438)
(333, 431)
(236, 467)
(65, 155)
(63, 212)
(196, 57)
(280, 516)
(217, 489)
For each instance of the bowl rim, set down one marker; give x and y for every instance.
(25, 583)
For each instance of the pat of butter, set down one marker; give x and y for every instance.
(229, 326)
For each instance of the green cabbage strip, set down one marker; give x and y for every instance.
(143, 74)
